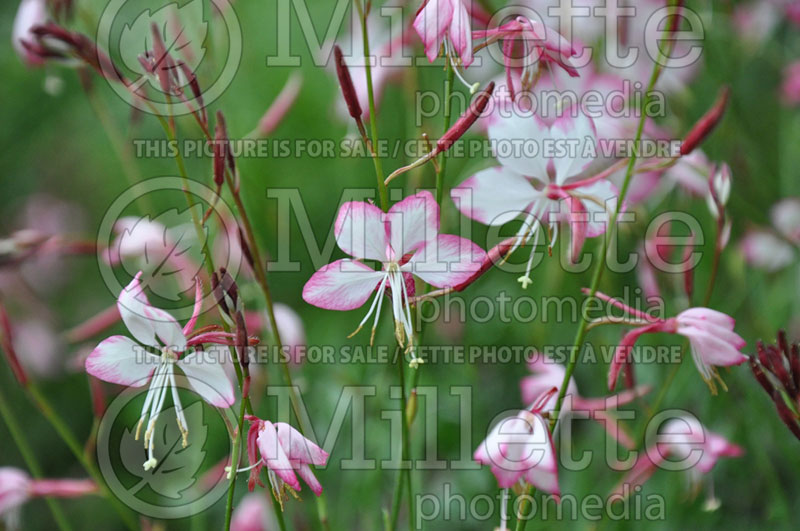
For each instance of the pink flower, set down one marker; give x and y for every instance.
(774, 250)
(406, 241)
(285, 453)
(790, 88)
(684, 440)
(548, 375)
(538, 187)
(539, 43)
(29, 14)
(445, 22)
(290, 326)
(253, 514)
(17, 487)
(711, 337)
(123, 361)
(521, 448)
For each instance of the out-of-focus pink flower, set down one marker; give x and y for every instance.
(445, 22)
(763, 249)
(682, 440)
(253, 514)
(785, 216)
(17, 487)
(773, 250)
(575, 16)
(543, 189)
(548, 374)
(691, 173)
(710, 333)
(793, 11)
(754, 22)
(39, 347)
(521, 448)
(122, 361)
(646, 275)
(290, 326)
(406, 241)
(790, 88)
(29, 14)
(286, 454)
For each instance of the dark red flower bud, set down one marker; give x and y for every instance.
(787, 415)
(465, 121)
(706, 124)
(346, 82)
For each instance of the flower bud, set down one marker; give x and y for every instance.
(706, 124)
(346, 82)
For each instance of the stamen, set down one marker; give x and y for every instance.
(183, 427)
(375, 301)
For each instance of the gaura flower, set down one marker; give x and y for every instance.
(689, 446)
(253, 514)
(538, 186)
(445, 22)
(286, 453)
(521, 448)
(773, 250)
(711, 337)
(123, 361)
(406, 241)
(548, 375)
(542, 47)
(17, 487)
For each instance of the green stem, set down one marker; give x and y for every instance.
(373, 122)
(237, 445)
(402, 474)
(524, 508)
(30, 459)
(448, 91)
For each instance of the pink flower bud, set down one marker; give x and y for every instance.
(706, 124)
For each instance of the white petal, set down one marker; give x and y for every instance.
(495, 196)
(360, 230)
(122, 361)
(208, 378)
(519, 142)
(413, 221)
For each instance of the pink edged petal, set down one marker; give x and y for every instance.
(206, 375)
(412, 222)
(519, 142)
(713, 350)
(623, 351)
(167, 328)
(274, 456)
(304, 471)
(447, 261)
(341, 285)
(298, 448)
(577, 135)
(764, 250)
(707, 314)
(461, 33)
(15, 488)
(122, 361)
(360, 230)
(131, 304)
(495, 196)
(600, 200)
(432, 23)
(197, 308)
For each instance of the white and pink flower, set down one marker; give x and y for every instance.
(711, 337)
(160, 348)
(544, 189)
(406, 242)
(448, 23)
(773, 250)
(688, 445)
(520, 448)
(286, 453)
(30, 13)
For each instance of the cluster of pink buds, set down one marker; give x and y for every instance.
(777, 369)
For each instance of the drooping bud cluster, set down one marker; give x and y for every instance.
(777, 369)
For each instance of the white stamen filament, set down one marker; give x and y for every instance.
(454, 64)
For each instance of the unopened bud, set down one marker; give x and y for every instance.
(706, 124)
(346, 82)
